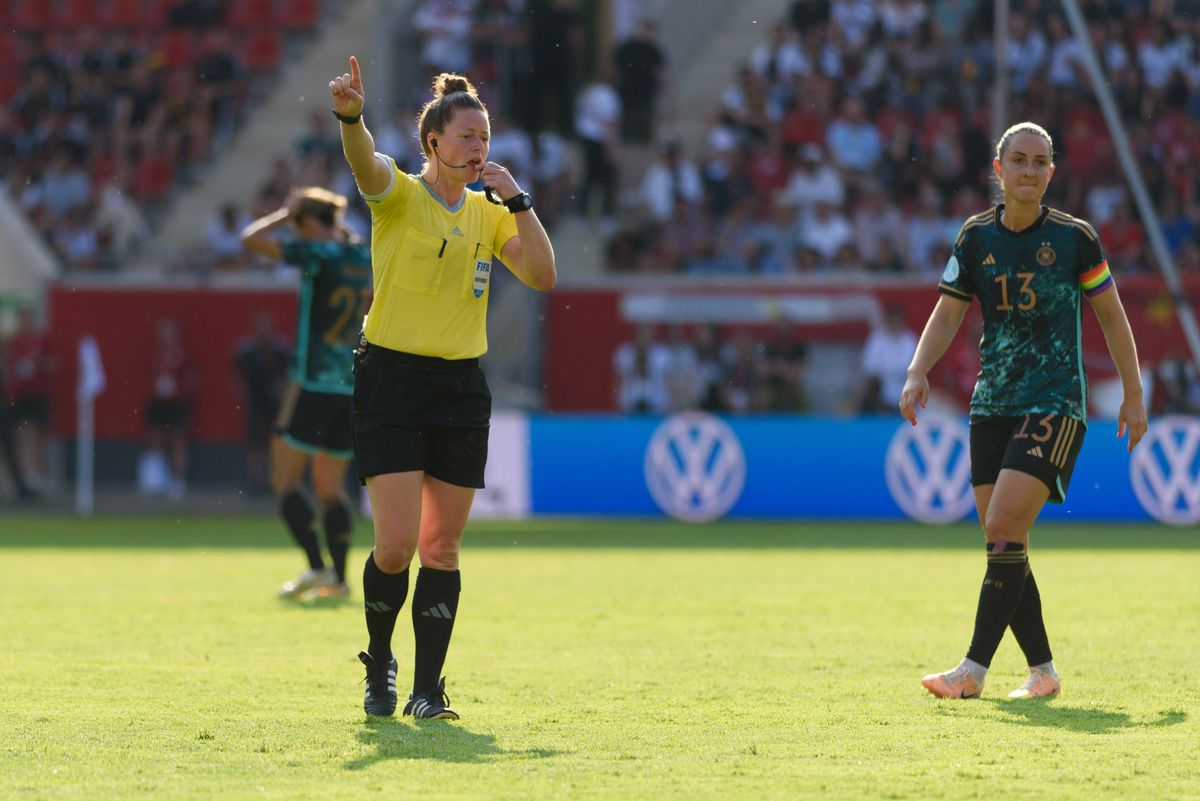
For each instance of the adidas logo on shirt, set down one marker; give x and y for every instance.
(1035, 451)
(989, 260)
(456, 231)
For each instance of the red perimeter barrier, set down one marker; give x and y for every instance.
(585, 326)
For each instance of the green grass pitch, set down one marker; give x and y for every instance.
(148, 658)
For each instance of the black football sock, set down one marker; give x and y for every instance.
(337, 536)
(1027, 625)
(383, 596)
(998, 597)
(298, 514)
(434, 607)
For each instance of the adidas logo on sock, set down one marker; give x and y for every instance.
(377, 606)
(441, 612)
(1035, 451)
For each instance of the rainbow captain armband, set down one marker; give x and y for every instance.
(1096, 280)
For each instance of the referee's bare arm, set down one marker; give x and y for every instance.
(372, 174)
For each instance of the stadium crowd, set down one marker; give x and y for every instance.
(856, 137)
(106, 108)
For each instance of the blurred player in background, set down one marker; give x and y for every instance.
(421, 403)
(1029, 265)
(314, 416)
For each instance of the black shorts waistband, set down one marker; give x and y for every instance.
(399, 358)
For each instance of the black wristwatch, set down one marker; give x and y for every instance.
(342, 118)
(519, 203)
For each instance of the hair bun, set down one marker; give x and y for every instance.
(448, 83)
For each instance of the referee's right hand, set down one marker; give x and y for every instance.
(347, 91)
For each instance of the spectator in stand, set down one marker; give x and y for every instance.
(1124, 240)
(853, 139)
(642, 368)
(876, 222)
(551, 175)
(31, 365)
(223, 235)
(443, 29)
(639, 63)
(1027, 50)
(889, 348)
(8, 448)
(1178, 228)
(813, 181)
(743, 370)
(825, 231)
(597, 124)
(786, 365)
(261, 367)
(512, 147)
(670, 180)
(1176, 389)
(174, 381)
(781, 58)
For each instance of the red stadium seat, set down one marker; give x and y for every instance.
(9, 84)
(264, 50)
(76, 14)
(155, 13)
(27, 14)
(300, 14)
(251, 14)
(176, 47)
(123, 14)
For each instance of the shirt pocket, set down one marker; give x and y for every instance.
(479, 273)
(420, 262)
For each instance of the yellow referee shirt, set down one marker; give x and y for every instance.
(432, 266)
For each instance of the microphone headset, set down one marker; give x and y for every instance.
(487, 190)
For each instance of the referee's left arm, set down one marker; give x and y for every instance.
(529, 254)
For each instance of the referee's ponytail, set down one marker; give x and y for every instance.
(450, 93)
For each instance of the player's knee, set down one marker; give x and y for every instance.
(393, 557)
(997, 528)
(440, 552)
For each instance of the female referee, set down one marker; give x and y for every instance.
(314, 417)
(421, 403)
(1028, 265)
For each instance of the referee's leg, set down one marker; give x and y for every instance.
(446, 508)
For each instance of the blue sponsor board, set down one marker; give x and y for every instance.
(794, 467)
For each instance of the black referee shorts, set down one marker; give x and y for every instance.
(421, 413)
(315, 422)
(1044, 446)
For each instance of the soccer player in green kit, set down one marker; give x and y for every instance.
(314, 416)
(1029, 266)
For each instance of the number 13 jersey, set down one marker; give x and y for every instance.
(1029, 284)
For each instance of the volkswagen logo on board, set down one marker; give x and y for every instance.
(695, 467)
(1164, 472)
(928, 470)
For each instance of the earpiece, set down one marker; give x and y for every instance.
(434, 142)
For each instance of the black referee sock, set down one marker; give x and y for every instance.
(337, 536)
(1027, 624)
(298, 514)
(1003, 584)
(434, 607)
(383, 596)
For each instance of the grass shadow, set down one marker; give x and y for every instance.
(265, 532)
(438, 740)
(1087, 720)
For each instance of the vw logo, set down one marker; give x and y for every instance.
(928, 470)
(695, 467)
(1163, 471)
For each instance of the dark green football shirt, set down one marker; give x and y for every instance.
(334, 292)
(1029, 286)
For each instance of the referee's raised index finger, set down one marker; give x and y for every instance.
(354, 74)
